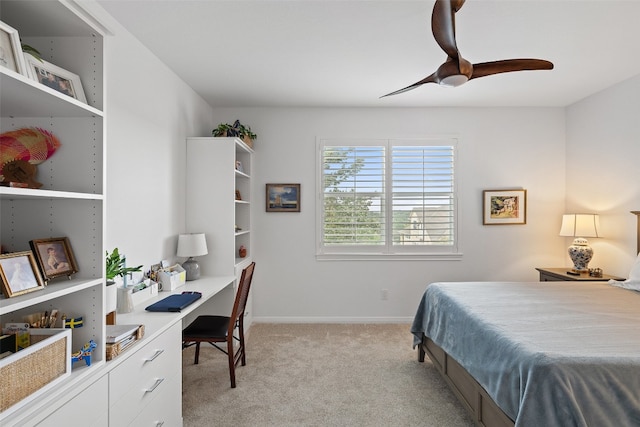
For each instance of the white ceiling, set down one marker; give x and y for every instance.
(333, 53)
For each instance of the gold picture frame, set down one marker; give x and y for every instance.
(19, 274)
(54, 257)
(504, 207)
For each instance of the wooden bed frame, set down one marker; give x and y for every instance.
(474, 398)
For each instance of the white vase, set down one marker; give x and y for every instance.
(111, 298)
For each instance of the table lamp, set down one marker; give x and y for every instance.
(192, 245)
(580, 226)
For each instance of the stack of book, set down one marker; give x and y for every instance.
(121, 337)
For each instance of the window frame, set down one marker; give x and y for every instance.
(387, 250)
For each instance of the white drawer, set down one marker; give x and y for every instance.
(164, 410)
(89, 407)
(146, 373)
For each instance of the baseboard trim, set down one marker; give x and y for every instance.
(295, 319)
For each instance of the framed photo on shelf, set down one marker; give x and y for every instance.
(239, 167)
(504, 207)
(55, 77)
(11, 56)
(283, 197)
(54, 256)
(19, 274)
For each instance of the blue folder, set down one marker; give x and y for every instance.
(175, 303)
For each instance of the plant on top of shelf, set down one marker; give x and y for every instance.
(236, 130)
(32, 51)
(117, 266)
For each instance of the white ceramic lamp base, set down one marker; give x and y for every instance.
(580, 253)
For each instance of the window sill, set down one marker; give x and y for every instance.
(390, 257)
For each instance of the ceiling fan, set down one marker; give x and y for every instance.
(456, 70)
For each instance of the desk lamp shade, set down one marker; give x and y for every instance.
(189, 246)
(580, 226)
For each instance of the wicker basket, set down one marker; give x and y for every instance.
(37, 368)
(244, 139)
(114, 349)
(247, 141)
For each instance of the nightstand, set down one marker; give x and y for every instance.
(560, 274)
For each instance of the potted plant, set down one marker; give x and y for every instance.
(116, 267)
(236, 130)
(31, 51)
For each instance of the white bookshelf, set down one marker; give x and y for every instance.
(71, 202)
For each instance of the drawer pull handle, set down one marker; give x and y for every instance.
(155, 385)
(155, 355)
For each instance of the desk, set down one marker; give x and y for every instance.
(145, 381)
(143, 385)
(156, 323)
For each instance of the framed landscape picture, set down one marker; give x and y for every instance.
(504, 207)
(19, 274)
(55, 257)
(283, 197)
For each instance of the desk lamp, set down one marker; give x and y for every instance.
(580, 226)
(192, 245)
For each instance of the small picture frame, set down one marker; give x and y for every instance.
(19, 274)
(239, 166)
(11, 56)
(283, 197)
(504, 207)
(55, 257)
(55, 77)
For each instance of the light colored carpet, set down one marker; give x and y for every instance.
(320, 375)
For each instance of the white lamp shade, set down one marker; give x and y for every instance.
(580, 225)
(190, 245)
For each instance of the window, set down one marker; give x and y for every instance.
(386, 198)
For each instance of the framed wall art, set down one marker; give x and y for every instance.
(11, 56)
(56, 78)
(55, 257)
(504, 207)
(19, 274)
(283, 197)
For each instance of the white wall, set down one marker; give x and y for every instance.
(500, 148)
(150, 112)
(603, 173)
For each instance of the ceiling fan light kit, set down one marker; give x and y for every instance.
(456, 70)
(454, 80)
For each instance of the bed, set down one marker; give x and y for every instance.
(568, 356)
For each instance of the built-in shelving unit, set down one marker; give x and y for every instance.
(218, 170)
(71, 202)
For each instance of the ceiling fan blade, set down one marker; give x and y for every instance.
(443, 25)
(429, 79)
(508, 65)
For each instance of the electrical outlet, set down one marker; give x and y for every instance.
(384, 294)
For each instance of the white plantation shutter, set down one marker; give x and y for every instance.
(423, 187)
(387, 197)
(347, 221)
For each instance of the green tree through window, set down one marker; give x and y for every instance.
(387, 197)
